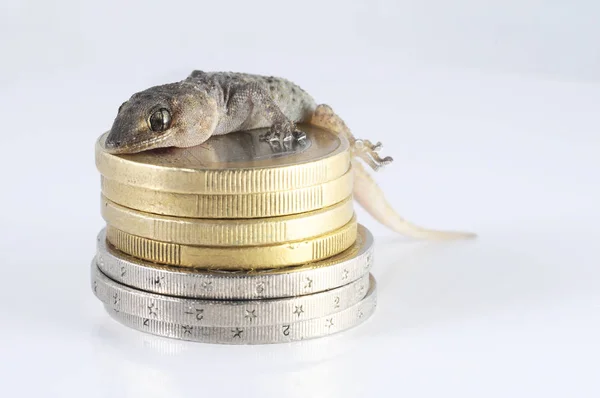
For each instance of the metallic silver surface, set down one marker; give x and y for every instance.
(196, 312)
(242, 334)
(237, 285)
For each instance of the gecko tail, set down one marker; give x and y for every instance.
(368, 194)
(366, 191)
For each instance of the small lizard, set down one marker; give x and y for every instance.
(189, 112)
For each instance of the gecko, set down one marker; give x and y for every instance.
(189, 112)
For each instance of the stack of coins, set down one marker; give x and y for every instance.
(238, 240)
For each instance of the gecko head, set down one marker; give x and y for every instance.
(174, 114)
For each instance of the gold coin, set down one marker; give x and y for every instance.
(235, 257)
(267, 204)
(233, 232)
(235, 163)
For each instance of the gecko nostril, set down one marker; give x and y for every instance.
(112, 143)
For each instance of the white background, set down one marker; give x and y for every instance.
(491, 110)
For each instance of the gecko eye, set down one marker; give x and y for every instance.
(160, 120)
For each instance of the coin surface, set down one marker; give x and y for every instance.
(243, 334)
(235, 257)
(235, 163)
(315, 277)
(226, 312)
(232, 232)
(258, 205)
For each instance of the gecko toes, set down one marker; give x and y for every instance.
(283, 134)
(299, 135)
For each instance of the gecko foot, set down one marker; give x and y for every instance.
(283, 133)
(368, 152)
(299, 135)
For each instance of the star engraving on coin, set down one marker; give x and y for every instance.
(207, 285)
(250, 315)
(308, 283)
(316, 325)
(237, 332)
(116, 299)
(299, 310)
(158, 280)
(361, 290)
(140, 276)
(152, 310)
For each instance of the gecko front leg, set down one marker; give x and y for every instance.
(241, 107)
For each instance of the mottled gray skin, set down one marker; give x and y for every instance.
(188, 113)
(206, 104)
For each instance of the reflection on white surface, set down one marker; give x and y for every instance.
(145, 364)
(436, 301)
(161, 350)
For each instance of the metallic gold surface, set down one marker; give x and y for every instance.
(235, 163)
(268, 204)
(244, 257)
(232, 232)
(297, 280)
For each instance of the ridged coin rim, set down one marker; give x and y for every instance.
(235, 257)
(258, 205)
(225, 312)
(271, 178)
(271, 334)
(223, 232)
(310, 278)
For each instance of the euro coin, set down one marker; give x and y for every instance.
(243, 334)
(235, 257)
(257, 205)
(226, 312)
(228, 232)
(333, 272)
(235, 163)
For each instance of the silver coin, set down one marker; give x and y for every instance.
(242, 334)
(225, 312)
(331, 273)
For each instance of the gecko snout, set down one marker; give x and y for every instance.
(112, 143)
(115, 145)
